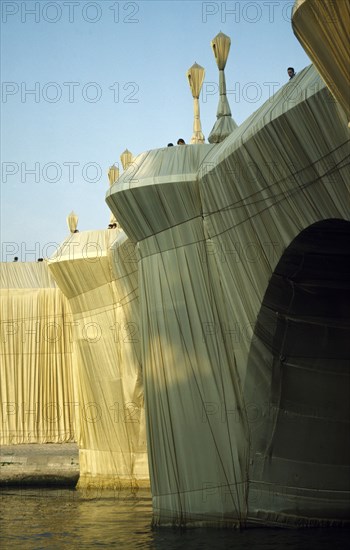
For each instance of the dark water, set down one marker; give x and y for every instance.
(52, 518)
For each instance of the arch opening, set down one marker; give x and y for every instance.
(299, 375)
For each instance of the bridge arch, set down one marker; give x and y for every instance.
(298, 376)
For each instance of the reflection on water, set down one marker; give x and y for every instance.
(52, 518)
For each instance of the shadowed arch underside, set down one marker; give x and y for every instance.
(298, 383)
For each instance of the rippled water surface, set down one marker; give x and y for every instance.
(35, 519)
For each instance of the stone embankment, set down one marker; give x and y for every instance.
(39, 465)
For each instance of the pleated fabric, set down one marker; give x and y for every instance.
(36, 357)
(213, 224)
(97, 272)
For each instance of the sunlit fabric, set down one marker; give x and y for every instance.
(97, 272)
(322, 28)
(36, 357)
(216, 225)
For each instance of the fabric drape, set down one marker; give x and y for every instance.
(212, 224)
(97, 272)
(36, 357)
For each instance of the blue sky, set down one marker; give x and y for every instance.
(111, 75)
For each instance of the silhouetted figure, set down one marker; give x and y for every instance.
(15, 259)
(40, 259)
(291, 73)
(170, 145)
(76, 231)
(181, 141)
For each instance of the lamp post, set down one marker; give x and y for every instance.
(113, 175)
(195, 77)
(224, 124)
(126, 158)
(72, 222)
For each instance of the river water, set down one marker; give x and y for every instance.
(63, 518)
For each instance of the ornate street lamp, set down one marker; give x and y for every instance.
(225, 124)
(72, 222)
(113, 174)
(195, 77)
(126, 158)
